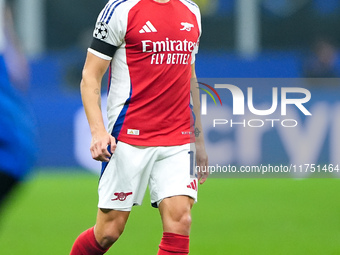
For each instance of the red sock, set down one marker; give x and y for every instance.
(173, 243)
(86, 244)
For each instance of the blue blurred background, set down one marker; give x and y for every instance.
(241, 39)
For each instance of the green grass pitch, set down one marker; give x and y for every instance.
(233, 216)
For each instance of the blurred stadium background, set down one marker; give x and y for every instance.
(241, 39)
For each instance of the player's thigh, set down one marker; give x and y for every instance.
(173, 175)
(172, 208)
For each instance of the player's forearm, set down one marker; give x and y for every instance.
(197, 111)
(93, 72)
(91, 97)
(201, 155)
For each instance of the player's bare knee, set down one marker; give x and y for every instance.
(185, 220)
(110, 235)
(116, 228)
(176, 213)
(179, 222)
(110, 226)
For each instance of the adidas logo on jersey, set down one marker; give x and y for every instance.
(148, 28)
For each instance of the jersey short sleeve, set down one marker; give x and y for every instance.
(110, 29)
(194, 9)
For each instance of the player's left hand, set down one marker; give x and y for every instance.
(202, 163)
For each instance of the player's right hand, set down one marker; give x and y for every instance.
(99, 146)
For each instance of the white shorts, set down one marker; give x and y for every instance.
(169, 171)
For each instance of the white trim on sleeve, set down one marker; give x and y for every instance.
(98, 54)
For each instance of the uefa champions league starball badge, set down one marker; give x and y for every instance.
(101, 31)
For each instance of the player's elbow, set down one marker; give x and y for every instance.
(87, 80)
(84, 78)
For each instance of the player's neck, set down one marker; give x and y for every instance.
(162, 1)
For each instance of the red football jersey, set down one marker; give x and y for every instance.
(149, 91)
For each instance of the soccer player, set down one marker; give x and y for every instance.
(150, 46)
